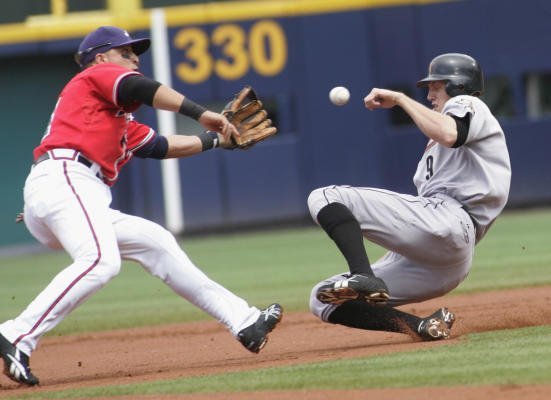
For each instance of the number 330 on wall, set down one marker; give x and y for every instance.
(264, 50)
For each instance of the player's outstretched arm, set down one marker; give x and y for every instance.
(438, 127)
(183, 145)
(166, 98)
(138, 88)
(380, 98)
(218, 123)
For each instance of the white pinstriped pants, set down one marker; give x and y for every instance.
(67, 206)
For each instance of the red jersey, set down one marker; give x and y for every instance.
(88, 118)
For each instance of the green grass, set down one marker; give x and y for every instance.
(263, 267)
(283, 266)
(507, 357)
(516, 252)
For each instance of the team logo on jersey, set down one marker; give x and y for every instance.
(468, 104)
(128, 116)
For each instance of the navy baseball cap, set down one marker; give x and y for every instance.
(106, 38)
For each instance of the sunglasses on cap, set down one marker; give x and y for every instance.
(79, 55)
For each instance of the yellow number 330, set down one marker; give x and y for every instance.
(266, 52)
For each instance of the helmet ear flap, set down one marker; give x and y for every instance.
(455, 89)
(451, 89)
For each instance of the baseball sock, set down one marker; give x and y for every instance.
(362, 315)
(341, 226)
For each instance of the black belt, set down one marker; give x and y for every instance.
(81, 159)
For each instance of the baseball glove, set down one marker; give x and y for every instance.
(246, 114)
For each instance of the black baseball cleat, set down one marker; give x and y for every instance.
(16, 363)
(436, 326)
(356, 287)
(255, 336)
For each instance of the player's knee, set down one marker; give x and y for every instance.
(102, 267)
(316, 201)
(313, 198)
(158, 239)
(110, 267)
(319, 198)
(152, 237)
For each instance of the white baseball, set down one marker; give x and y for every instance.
(339, 95)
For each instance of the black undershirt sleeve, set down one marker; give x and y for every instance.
(137, 88)
(462, 129)
(156, 148)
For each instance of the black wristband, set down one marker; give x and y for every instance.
(209, 140)
(191, 109)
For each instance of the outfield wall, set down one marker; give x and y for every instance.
(293, 57)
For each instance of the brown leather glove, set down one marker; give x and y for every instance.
(246, 114)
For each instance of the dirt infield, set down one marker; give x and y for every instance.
(204, 348)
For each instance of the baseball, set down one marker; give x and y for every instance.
(339, 95)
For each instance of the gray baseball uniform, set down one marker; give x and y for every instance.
(477, 174)
(431, 237)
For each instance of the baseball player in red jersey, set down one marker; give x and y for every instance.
(90, 136)
(462, 180)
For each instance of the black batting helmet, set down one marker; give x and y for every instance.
(462, 73)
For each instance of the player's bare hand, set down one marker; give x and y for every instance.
(380, 98)
(218, 123)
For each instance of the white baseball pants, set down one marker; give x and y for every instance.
(67, 206)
